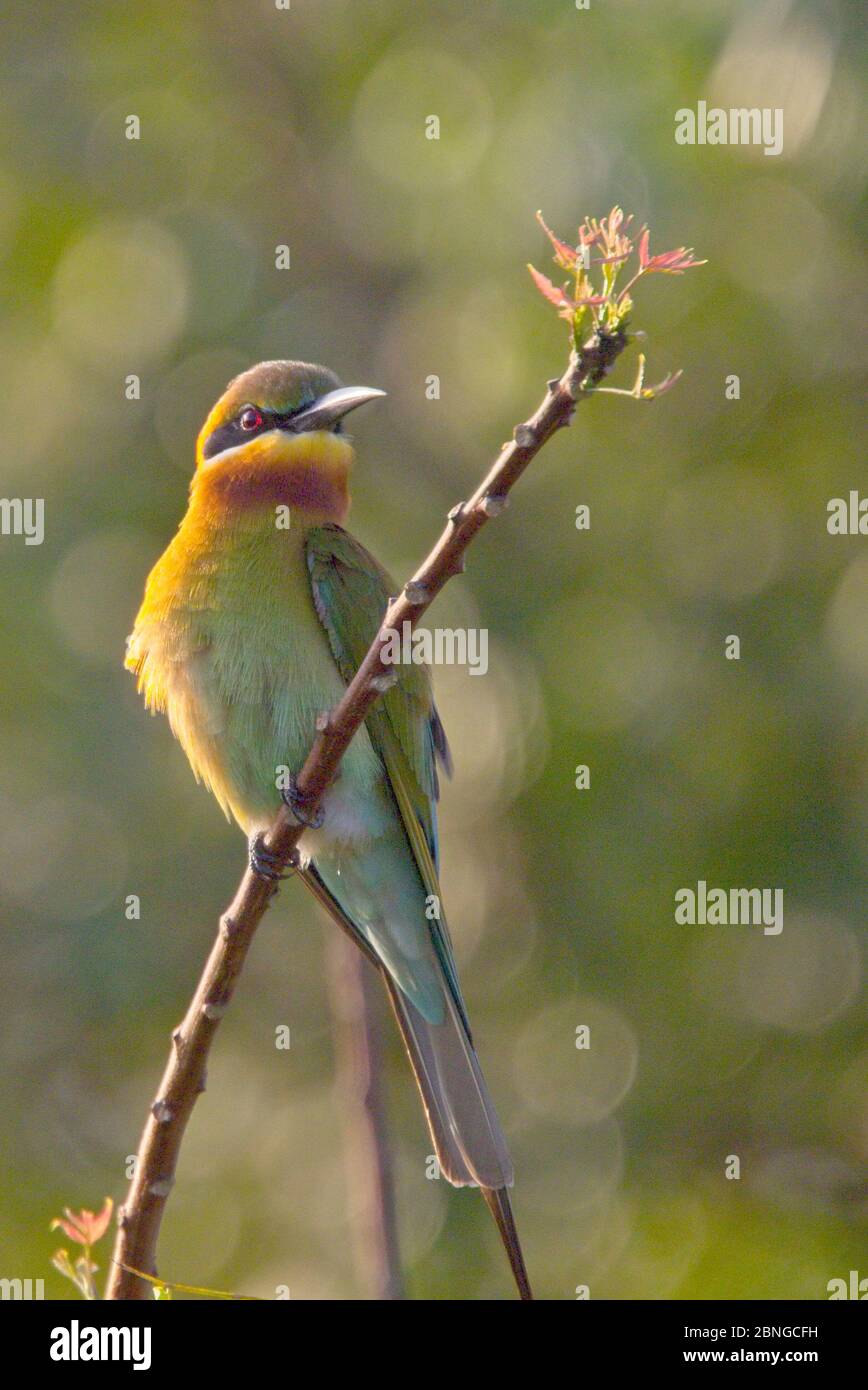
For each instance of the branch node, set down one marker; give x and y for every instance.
(524, 436)
(494, 503)
(228, 926)
(457, 513)
(214, 1011)
(323, 721)
(178, 1035)
(415, 592)
(554, 385)
(162, 1187)
(161, 1112)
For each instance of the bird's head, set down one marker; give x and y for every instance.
(276, 435)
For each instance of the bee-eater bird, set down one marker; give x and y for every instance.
(251, 627)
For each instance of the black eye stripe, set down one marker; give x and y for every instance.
(227, 437)
(230, 435)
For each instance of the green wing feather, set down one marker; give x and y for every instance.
(351, 592)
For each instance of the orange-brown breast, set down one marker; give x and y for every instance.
(309, 473)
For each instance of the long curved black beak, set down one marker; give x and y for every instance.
(325, 413)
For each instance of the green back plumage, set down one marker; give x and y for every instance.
(351, 593)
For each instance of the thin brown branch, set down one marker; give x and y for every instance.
(139, 1219)
(356, 1000)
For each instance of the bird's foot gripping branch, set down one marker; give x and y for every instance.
(603, 270)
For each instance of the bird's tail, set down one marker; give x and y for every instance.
(468, 1140)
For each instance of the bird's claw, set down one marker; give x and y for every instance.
(264, 862)
(295, 802)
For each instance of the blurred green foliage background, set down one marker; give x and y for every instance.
(708, 517)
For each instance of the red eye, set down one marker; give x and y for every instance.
(250, 418)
